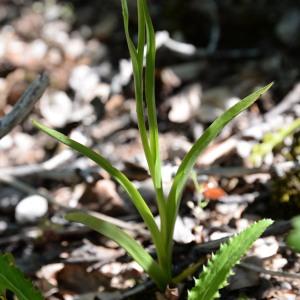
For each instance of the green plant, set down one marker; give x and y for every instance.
(272, 140)
(219, 268)
(161, 270)
(293, 239)
(12, 279)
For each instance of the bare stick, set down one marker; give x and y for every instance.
(24, 105)
(258, 269)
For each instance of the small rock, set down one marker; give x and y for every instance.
(183, 230)
(36, 52)
(56, 32)
(244, 148)
(74, 48)
(84, 80)
(56, 108)
(265, 247)
(184, 106)
(3, 226)
(29, 25)
(31, 209)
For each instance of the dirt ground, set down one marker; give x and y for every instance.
(211, 53)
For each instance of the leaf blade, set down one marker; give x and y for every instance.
(134, 249)
(11, 278)
(136, 56)
(190, 158)
(218, 269)
(120, 177)
(150, 94)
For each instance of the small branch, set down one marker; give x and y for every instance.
(258, 269)
(23, 187)
(287, 103)
(24, 105)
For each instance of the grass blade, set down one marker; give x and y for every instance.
(293, 238)
(137, 65)
(134, 249)
(150, 95)
(191, 157)
(219, 268)
(131, 190)
(153, 126)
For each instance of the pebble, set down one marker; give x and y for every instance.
(56, 108)
(83, 80)
(31, 209)
(74, 48)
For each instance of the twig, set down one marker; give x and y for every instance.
(134, 227)
(278, 169)
(287, 103)
(73, 173)
(24, 105)
(61, 167)
(23, 187)
(139, 289)
(258, 269)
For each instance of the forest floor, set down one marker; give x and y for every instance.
(203, 67)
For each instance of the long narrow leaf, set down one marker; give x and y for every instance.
(137, 65)
(150, 94)
(153, 126)
(134, 249)
(219, 268)
(11, 278)
(191, 157)
(141, 36)
(131, 190)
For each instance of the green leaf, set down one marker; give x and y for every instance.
(272, 140)
(128, 186)
(133, 248)
(190, 158)
(293, 239)
(11, 278)
(145, 88)
(137, 65)
(150, 94)
(219, 268)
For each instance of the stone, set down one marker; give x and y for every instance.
(31, 209)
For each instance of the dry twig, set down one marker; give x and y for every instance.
(24, 105)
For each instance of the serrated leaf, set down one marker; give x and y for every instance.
(214, 277)
(11, 278)
(134, 249)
